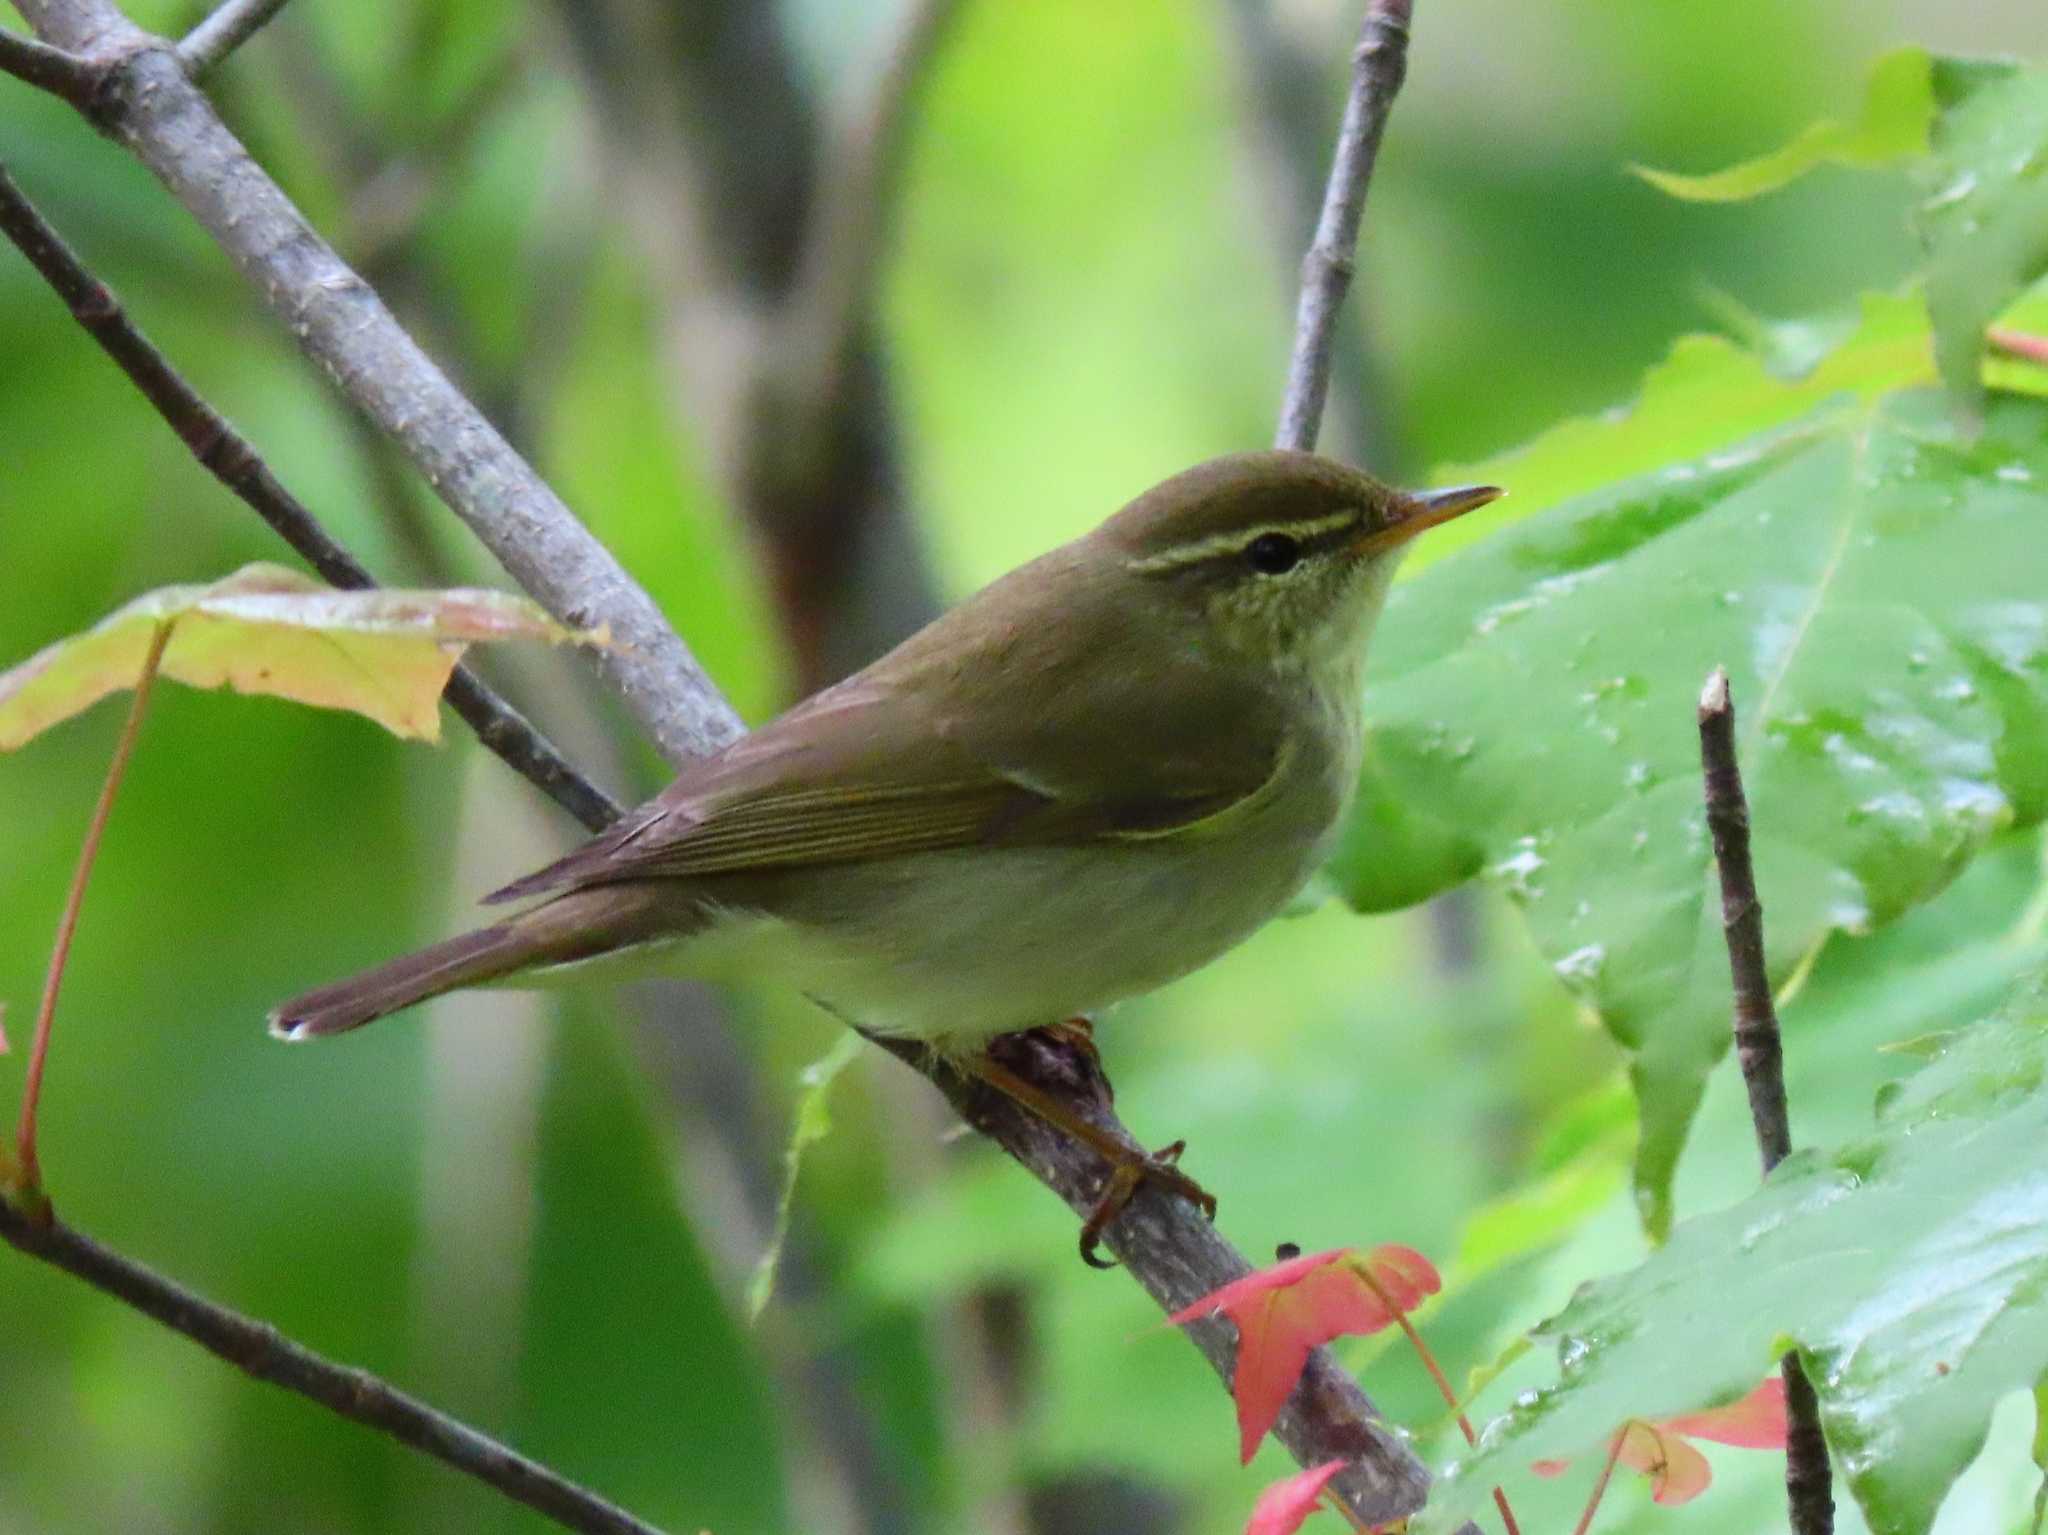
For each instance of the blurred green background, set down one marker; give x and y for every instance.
(539, 1218)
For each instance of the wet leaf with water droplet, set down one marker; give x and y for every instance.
(1711, 399)
(1889, 663)
(1910, 1267)
(1984, 211)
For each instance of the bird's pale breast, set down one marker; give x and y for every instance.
(961, 945)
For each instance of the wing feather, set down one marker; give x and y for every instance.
(802, 828)
(857, 773)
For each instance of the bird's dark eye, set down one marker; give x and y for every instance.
(1273, 554)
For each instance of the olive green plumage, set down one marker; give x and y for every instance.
(1088, 779)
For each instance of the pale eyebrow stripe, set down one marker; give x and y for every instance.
(1238, 542)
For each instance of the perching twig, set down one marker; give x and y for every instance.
(229, 457)
(230, 25)
(1378, 67)
(29, 1172)
(147, 104)
(1285, 131)
(1808, 1479)
(1178, 1257)
(262, 1351)
(50, 69)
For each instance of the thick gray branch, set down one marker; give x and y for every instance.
(148, 104)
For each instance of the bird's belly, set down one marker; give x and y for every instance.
(958, 947)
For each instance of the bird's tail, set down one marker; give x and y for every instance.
(580, 925)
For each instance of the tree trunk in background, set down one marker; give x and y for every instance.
(714, 144)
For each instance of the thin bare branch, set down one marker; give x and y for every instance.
(230, 25)
(50, 69)
(1378, 67)
(1757, 1042)
(148, 104)
(257, 1349)
(1808, 1479)
(227, 455)
(1285, 135)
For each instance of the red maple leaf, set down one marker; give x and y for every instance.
(1756, 1422)
(1282, 1506)
(1678, 1473)
(1285, 1311)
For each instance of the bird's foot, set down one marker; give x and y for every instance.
(1128, 1173)
(1130, 1168)
(1078, 1035)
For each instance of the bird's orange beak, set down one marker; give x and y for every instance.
(1420, 511)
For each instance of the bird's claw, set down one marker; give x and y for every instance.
(1126, 1177)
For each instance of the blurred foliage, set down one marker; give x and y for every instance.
(1973, 130)
(1898, 110)
(1087, 293)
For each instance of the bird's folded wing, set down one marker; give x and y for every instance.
(842, 780)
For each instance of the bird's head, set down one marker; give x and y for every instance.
(1279, 557)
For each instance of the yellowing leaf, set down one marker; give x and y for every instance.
(1898, 109)
(266, 629)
